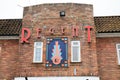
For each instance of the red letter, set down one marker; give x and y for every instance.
(88, 29)
(38, 32)
(75, 31)
(24, 38)
(52, 31)
(63, 31)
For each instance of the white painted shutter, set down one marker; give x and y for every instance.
(75, 51)
(118, 53)
(38, 52)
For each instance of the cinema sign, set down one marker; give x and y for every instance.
(26, 33)
(59, 78)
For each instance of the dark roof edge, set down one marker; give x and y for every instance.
(12, 19)
(9, 37)
(106, 35)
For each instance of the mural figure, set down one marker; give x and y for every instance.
(56, 54)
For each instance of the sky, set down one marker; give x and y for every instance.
(13, 9)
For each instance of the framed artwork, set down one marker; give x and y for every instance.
(57, 54)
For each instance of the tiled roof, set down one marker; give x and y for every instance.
(10, 27)
(107, 24)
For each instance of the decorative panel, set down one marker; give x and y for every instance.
(56, 54)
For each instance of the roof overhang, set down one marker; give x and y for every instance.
(100, 35)
(9, 37)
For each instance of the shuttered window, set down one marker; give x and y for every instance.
(38, 52)
(75, 51)
(118, 52)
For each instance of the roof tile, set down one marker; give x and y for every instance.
(107, 24)
(10, 27)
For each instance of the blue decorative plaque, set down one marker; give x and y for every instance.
(56, 54)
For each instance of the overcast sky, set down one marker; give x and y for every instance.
(11, 9)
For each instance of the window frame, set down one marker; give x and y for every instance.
(0, 49)
(79, 55)
(118, 53)
(34, 56)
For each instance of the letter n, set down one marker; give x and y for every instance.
(75, 31)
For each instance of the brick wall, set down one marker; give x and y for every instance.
(8, 59)
(16, 59)
(107, 58)
(46, 16)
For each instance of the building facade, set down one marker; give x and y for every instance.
(60, 41)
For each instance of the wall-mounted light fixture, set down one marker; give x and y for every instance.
(62, 13)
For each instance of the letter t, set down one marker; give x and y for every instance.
(88, 32)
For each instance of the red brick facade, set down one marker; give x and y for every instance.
(107, 58)
(48, 15)
(8, 58)
(97, 58)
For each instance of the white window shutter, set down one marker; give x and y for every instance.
(75, 51)
(118, 52)
(38, 52)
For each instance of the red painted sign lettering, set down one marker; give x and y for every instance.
(25, 37)
(63, 30)
(52, 31)
(75, 31)
(38, 32)
(88, 32)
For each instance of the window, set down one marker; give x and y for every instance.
(118, 52)
(75, 51)
(38, 51)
